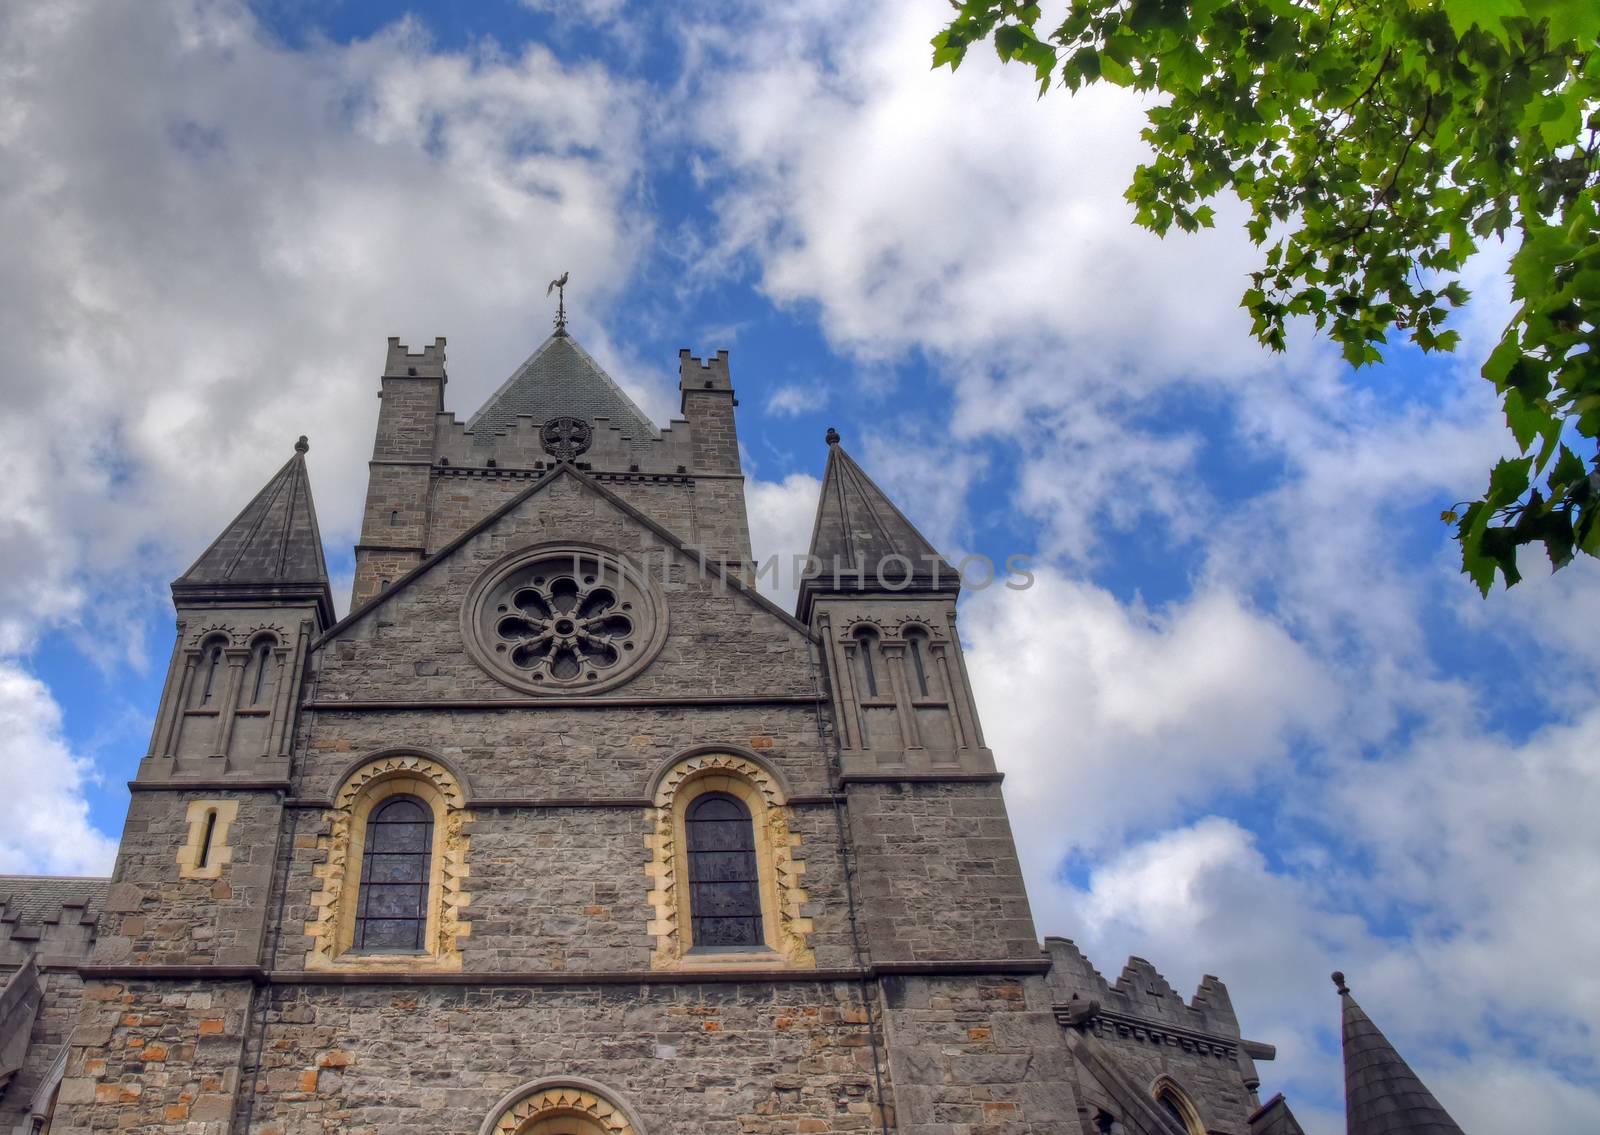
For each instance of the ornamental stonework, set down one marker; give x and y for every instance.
(564, 620)
(328, 926)
(532, 1115)
(782, 890)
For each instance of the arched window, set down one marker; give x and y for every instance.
(917, 648)
(208, 683)
(866, 647)
(392, 913)
(393, 876)
(724, 887)
(260, 682)
(1176, 1103)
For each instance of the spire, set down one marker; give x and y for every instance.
(271, 550)
(559, 380)
(1383, 1096)
(864, 541)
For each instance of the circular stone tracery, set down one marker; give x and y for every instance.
(564, 620)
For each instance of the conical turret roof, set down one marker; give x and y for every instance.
(559, 379)
(861, 538)
(1383, 1096)
(271, 550)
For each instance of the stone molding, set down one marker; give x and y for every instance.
(599, 701)
(218, 854)
(523, 1110)
(787, 928)
(331, 927)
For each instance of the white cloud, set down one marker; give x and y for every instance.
(782, 514)
(1124, 715)
(792, 400)
(44, 822)
(953, 212)
(214, 237)
(221, 234)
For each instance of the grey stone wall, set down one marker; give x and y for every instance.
(977, 1056)
(154, 916)
(58, 1015)
(939, 876)
(697, 1059)
(154, 1057)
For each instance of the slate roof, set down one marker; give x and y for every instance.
(858, 528)
(35, 899)
(272, 547)
(559, 380)
(1383, 1096)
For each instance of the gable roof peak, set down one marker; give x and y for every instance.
(560, 379)
(273, 548)
(1383, 1096)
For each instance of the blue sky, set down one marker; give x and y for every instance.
(1254, 722)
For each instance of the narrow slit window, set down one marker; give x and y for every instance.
(263, 673)
(866, 646)
(204, 858)
(724, 885)
(394, 518)
(917, 644)
(392, 911)
(213, 668)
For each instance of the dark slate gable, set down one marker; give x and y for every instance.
(274, 544)
(559, 380)
(857, 531)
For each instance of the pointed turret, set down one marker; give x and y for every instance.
(1383, 1096)
(884, 601)
(271, 551)
(862, 543)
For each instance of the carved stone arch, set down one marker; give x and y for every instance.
(454, 775)
(786, 926)
(776, 783)
(1164, 1088)
(369, 782)
(254, 636)
(522, 1110)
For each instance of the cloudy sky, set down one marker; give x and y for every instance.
(1254, 722)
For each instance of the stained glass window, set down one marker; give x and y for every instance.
(392, 914)
(724, 888)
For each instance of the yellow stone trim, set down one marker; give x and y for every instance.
(1165, 1087)
(220, 854)
(332, 925)
(537, 1113)
(785, 927)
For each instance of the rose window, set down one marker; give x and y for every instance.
(564, 620)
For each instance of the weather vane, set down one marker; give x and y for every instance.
(559, 286)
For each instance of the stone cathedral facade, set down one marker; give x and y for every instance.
(565, 830)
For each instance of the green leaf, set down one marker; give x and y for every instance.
(1508, 480)
(1569, 21)
(1490, 15)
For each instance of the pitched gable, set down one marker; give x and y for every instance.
(413, 634)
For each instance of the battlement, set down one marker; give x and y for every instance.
(703, 374)
(49, 916)
(427, 363)
(1140, 991)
